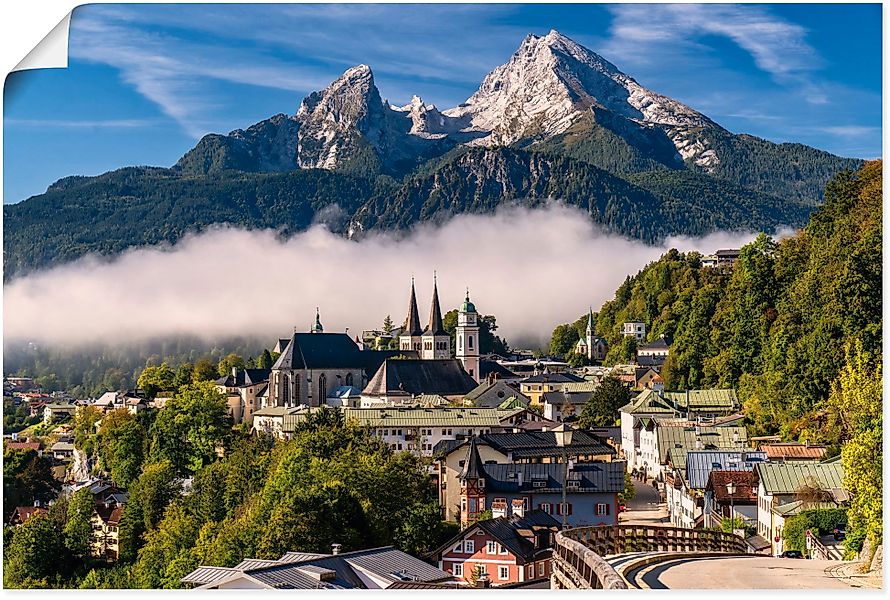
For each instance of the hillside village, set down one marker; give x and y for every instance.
(517, 447)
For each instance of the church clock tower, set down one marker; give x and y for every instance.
(467, 338)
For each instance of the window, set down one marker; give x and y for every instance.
(469, 546)
(546, 507)
(459, 548)
(349, 379)
(457, 570)
(470, 342)
(540, 569)
(322, 389)
(501, 549)
(503, 572)
(482, 568)
(530, 572)
(490, 547)
(602, 509)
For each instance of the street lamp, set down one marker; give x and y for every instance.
(730, 489)
(563, 435)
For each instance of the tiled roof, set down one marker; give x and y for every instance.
(560, 398)
(534, 444)
(245, 377)
(701, 399)
(648, 402)
(320, 351)
(793, 451)
(594, 477)
(745, 483)
(790, 509)
(712, 438)
(699, 464)
(492, 394)
(422, 416)
(22, 445)
(790, 477)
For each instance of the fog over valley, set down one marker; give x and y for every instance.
(532, 268)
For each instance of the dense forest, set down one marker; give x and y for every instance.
(796, 327)
(139, 206)
(332, 482)
(89, 371)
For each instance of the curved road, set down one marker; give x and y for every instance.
(743, 572)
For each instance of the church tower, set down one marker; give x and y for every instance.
(436, 341)
(589, 336)
(467, 337)
(410, 337)
(472, 486)
(316, 327)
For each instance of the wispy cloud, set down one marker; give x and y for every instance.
(777, 47)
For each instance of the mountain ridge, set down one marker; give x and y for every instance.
(554, 121)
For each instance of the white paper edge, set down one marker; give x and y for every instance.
(51, 52)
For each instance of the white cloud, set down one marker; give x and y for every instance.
(533, 269)
(777, 47)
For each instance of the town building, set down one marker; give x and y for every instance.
(634, 329)
(591, 489)
(240, 388)
(536, 386)
(508, 549)
(312, 365)
(510, 448)
(591, 346)
(23, 513)
(377, 568)
(739, 503)
(56, 412)
(784, 483)
(494, 393)
(686, 478)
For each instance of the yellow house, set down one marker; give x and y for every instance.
(106, 522)
(536, 386)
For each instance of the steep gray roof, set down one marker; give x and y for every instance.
(320, 351)
(435, 326)
(445, 377)
(594, 477)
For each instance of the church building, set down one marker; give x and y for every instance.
(594, 348)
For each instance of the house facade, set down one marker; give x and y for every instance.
(508, 550)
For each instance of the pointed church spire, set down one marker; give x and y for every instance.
(412, 321)
(435, 326)
(473, 465)
(316, 327)
(590, 321)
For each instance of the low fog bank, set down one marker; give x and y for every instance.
(532, 268)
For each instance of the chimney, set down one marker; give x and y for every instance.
(235, 373)
(806, 443)
(335, 548)
(498, 509)
(518, 507)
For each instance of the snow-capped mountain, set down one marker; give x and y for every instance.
(551, 82)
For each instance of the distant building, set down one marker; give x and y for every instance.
(467, 338)
(591, 346)
(398, 381)
(240, 387)
(634, 329)
(492, 394)
(54, 413)
(536, 386)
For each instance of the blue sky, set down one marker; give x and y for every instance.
(145, 82)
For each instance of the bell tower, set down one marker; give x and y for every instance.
(436, 341)
(410, 337)
(467, 338)
(472, 486)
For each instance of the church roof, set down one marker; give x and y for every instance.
(445, 377)
(467, 306)
(412, 321)
(320, 351)
(435, 326)
(244, 377)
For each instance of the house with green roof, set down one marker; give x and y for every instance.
(782, 484)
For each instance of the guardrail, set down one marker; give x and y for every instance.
(578, 561)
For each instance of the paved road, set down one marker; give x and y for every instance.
(644, 508)
(745, 573)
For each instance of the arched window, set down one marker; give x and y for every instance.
(470, 342)
(285, 390)
(460, 343)
(349, 379)
(322, 389)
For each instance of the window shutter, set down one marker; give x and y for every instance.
(569, 506)
(607, 508)
(558, 508)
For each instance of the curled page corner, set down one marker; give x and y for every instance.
(51, 52)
